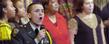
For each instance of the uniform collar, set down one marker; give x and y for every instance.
(33, 26)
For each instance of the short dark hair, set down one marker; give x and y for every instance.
(30, 6)
(78, 5)
(4, 3)
(45, 3)
(1, 12)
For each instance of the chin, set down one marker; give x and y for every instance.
(39, 23)
(89, 11)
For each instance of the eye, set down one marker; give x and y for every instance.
(37, 10)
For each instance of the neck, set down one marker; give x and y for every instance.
(5, 18)
(37, 25)
(86, 13)
(17, 19)
(51, 13)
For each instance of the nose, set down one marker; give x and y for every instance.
(56, 4)
(91, 4)
(41, 14)
(14, 9)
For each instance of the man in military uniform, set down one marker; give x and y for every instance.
(33, 32)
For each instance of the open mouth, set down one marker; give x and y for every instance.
(40, 18)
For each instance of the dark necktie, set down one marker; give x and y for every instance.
(36, 31)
